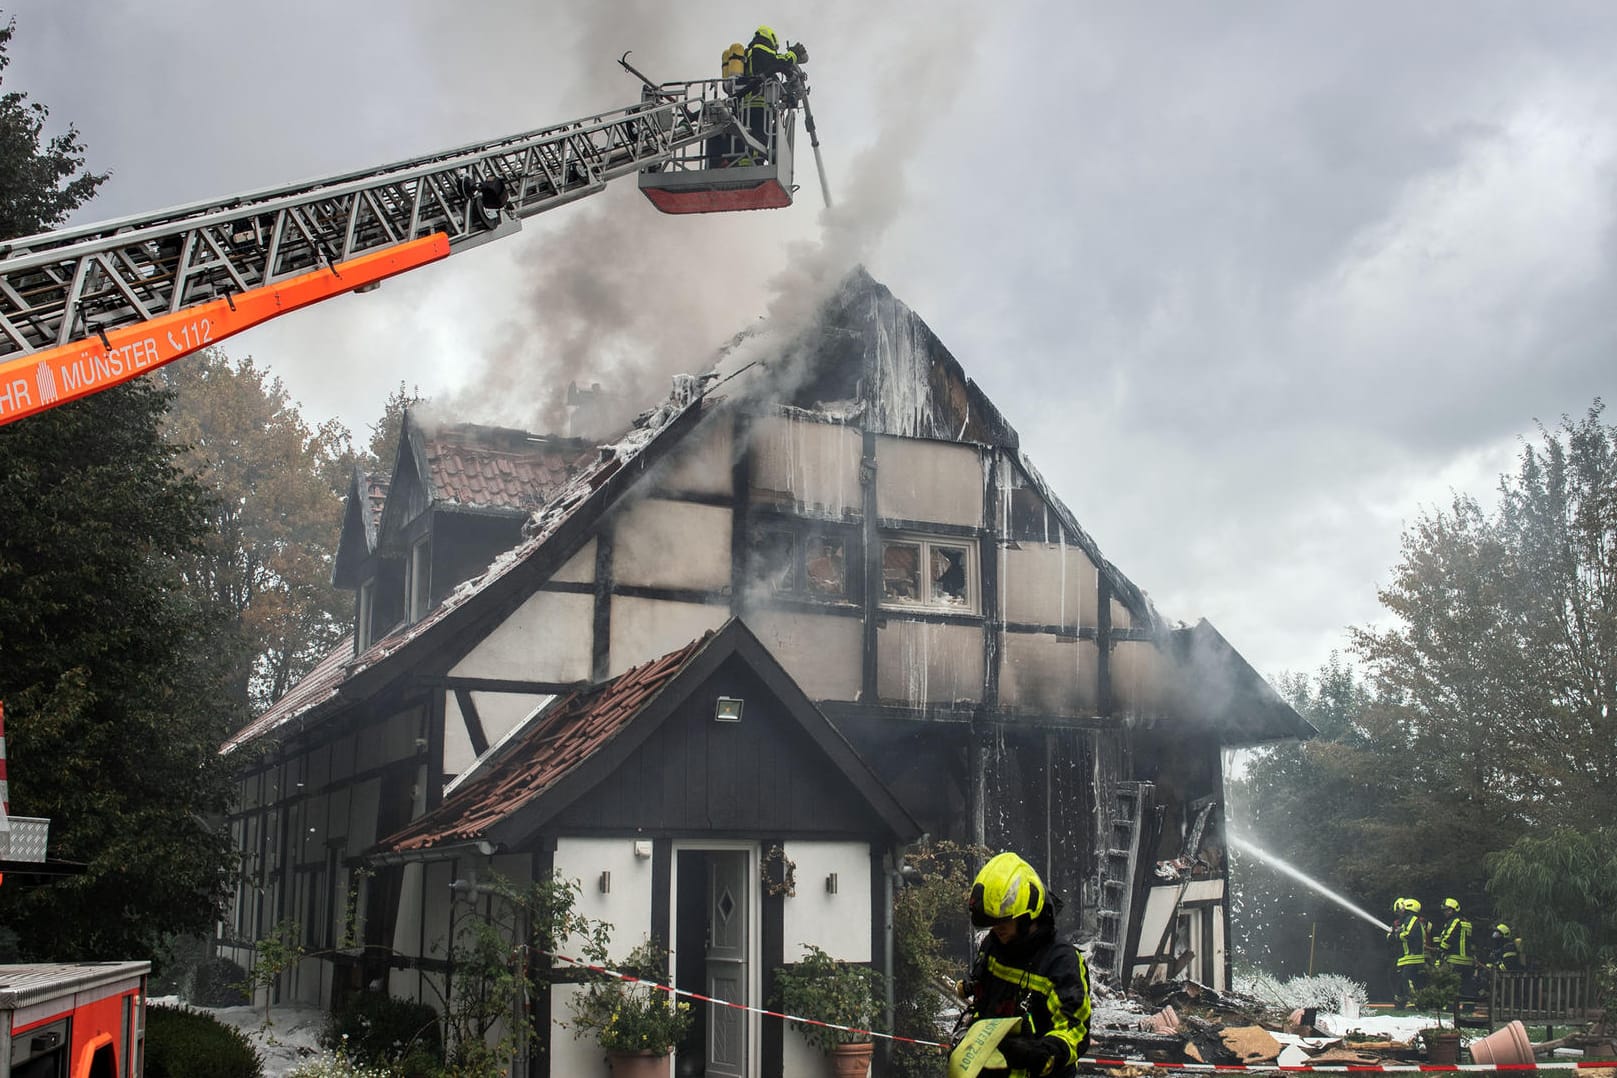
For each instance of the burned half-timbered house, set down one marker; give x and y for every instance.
(832, 569)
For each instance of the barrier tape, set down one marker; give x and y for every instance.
(1097, 1061)
(672, 991)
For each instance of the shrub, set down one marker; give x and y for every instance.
(829, 990)
(182, 1043)
(373, 1027)
(632, 1016)
(339, 1065)
(218, 982)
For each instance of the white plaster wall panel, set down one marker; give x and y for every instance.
(938, 482)
(627, 906)
(821, 652)
(838, 924)
(407, 928)
(500, 712)
(1121, 618)
(458, 752)
(362, 809)
(547, 638)
(1047, 675)
(576, 1057)
(811, 465)
(645, 629)
(578, 569)
(1139, 677)
(666, 544)
(1047, 584)
(1160, 904)
(701, 464)
(921, 664)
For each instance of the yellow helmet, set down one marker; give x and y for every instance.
(1006, 887)
(768, 35)
(1452, 903)
(1412, 905)
(1398, 904)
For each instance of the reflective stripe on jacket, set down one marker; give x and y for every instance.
(1046, 980)
(1412, 938)
(1455, 942)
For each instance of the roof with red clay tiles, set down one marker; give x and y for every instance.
(479, 467)
(567, 734)
(315, 688)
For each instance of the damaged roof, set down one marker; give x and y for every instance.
(516, 789)
(316, 687)
(495, 469)
(1215, 683)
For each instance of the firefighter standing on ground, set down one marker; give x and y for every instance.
(1408, 938)
(1024, 969)
(1454, 946)
(1508, 954)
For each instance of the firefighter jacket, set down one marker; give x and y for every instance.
(1410, 940)
(766, 59)
(1454, 942)
(1042, 978)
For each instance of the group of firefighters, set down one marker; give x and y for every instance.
(1418, 947)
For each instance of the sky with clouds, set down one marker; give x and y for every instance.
(1256, 282)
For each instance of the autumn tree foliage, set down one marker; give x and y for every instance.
(278, 482)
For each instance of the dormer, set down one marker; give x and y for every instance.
(457, 498)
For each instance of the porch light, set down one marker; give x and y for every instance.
(728, 709)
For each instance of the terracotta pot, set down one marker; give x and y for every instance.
(638, 1064)
(851, 1060)
(1507, 1045)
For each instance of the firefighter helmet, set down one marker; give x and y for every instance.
(1502, 930)
(1398, 904)
(769, 37)
(1006, 887)
(1412, 905)
(1452, 903)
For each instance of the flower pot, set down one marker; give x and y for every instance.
(638, 1064)
(851, 1060)
(1507, 1045)
(1442, 1045)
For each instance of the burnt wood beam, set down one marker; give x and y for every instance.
(435, 751)
(873, 571)
(934, 527)
(703, 596)
(502, 685)
(988, 549)
(1064, 632)
(740, 512)
(473, 721)
(842, 712)
(601, 645)
(569, 587)
(1103, 637)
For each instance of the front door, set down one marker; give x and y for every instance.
(726, 961)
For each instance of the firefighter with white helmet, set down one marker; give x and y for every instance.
(1023, 969)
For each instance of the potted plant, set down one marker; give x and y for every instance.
(638, 1024)
(829, 990)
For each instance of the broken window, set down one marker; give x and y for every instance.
(810, 565)
(928, 572)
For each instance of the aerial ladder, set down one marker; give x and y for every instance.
(89, 307)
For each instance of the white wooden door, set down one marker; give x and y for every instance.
(727, 891)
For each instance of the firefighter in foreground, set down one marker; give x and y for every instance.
(1023, 969)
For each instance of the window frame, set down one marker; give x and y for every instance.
(418, 581)
(799, 540)
(927, 603)
(367, 613)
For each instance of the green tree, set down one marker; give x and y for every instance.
(383, 448)
(278, 483)
(111, 684)
(40, 184)
(1558, 891)
(108, 677)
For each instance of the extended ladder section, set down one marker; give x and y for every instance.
(1131, 805)
(85, 308)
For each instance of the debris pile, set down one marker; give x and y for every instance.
(1188, 1022)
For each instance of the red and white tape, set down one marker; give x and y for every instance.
(1098, 1061)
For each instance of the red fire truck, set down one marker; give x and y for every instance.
(73, 1020)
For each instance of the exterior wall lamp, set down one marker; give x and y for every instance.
(831, 883)
(728, 709)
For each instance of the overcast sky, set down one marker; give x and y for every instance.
(1256, 282)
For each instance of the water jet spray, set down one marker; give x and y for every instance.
(1302, 877)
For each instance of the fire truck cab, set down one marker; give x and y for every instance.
(73, 1020)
